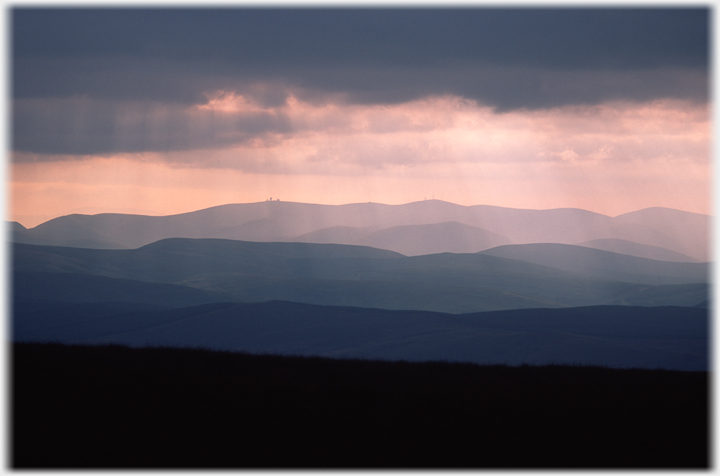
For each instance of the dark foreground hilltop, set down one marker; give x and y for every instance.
(116, 407)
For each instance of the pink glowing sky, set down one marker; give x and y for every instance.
(611, 158)
(87, 152)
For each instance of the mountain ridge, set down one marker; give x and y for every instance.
(682, 232)
(605, 264)
(355, 275)
(635, 249)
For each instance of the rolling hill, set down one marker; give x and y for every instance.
(682, 232)
(411, 240)
(605, 264)
(613, 336)
(189, 280)
(630, 248)
(446, 237)
(345, 275)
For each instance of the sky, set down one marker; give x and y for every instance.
(168, 110)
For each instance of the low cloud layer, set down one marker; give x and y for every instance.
(232, 132)
(83, 126)
(88, 125)
(104, 81)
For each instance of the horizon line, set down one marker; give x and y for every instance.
(278, 201)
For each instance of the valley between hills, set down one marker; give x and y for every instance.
(423, 281)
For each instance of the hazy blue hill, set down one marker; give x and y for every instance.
(605, 264)
(636, 249)
(452, 237)
(82, 321)
(679, 231)
(615, 336)
(411, 240)
(262, 220)
(248, 274)
(334, 234)
(684, 232)
(570, 225)
(20, 234)
(72, 287)
(130, 231)
(347, 275)
(665, 295)
(173, 260)
(280, 221)
(657, 216)
(437, 295)
(60, 259)
(227, 248)
(561, 225)
(273, 220)
(385, 294)
(60, 321)
(80, 230)
(263, 229)
(314, 268)
(189, 258)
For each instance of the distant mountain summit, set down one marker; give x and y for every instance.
(452, 237)
(636, 249)
(412, 240)
(430, 226)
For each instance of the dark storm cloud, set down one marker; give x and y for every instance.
(83, 126)
(176, 54)
(91, 81)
